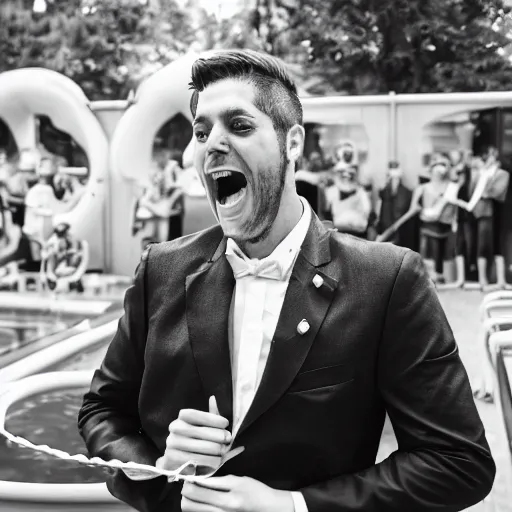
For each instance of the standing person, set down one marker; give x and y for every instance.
(41, 204)
(316, 162)
(461, 172)
(5, 172)
(347, 203)
(437, 213)
(395, 200)
(489, 183)
(20, 182)
(175, 192)
(272, 333)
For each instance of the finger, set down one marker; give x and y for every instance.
(215, 435)
(212, 403)
(186, 444)
(204, 495)
(173, 459)
(188, 505)
(203, 419)
(219, 483)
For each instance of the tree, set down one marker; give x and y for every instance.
(406, 46)
(106, 47)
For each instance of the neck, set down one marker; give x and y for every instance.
(289, 214)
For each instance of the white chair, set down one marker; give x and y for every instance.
(496, 316)
(496, 295)
(499, 307)
(500, 344)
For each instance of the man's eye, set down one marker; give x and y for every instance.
(240, 126)
(201, 136)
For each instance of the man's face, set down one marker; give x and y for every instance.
(347, 179)
(161, 159)
(239, 158)
(345, 154)
(492, 155)
(455, 156)
(315, 161)
(476, 163)
(45, 168)
(440, 170)
(395, 173)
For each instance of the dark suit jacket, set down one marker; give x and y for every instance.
(393, 205)
(379, 341)
(392, 208)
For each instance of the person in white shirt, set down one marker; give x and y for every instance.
(347, 202)
(267, 349)
(41, 204)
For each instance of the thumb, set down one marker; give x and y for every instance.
(212, 406)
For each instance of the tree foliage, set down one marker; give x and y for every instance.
(406, 46)
(333, 46)
(106, 47)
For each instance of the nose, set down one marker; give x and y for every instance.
(217, 141)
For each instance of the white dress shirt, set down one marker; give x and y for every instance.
(257, 304)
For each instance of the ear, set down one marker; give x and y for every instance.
(295, 143)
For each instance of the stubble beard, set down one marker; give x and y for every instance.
(268, 201)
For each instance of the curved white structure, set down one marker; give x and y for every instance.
(28, 92)
(53, 354)
(53, 303)
(22, 496)
(159, 98)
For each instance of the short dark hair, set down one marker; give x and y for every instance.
(275, 91)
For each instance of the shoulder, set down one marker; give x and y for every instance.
(372, 262)
(183, 253)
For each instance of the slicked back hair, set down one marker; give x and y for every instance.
(275, 92)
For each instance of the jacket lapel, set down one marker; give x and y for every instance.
(303, 301)
(208, 298)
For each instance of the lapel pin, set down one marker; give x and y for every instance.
(318, 281)
(303, 327)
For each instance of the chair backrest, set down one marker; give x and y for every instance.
(504, 379)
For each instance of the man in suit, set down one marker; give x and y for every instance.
(276, 334)
(395, 200)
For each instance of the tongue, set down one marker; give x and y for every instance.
(233, 198)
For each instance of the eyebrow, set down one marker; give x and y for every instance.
(227, 114)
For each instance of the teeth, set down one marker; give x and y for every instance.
(221, 174)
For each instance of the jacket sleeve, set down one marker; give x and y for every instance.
(443, 461)
(109, 420)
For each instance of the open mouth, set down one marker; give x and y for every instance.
(230, 187)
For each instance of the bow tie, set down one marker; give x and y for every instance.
(266, 268)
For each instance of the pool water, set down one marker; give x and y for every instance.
(51, 419)
(21, 327)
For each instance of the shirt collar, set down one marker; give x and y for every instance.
(287, 251)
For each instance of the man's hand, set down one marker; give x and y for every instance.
(234, 494)
(198, 436)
